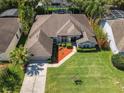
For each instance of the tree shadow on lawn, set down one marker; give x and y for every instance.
(34, 69)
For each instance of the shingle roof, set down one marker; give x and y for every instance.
(117, 26)
(8, 29)
(68, 29)
(46, 26)
(40, 45)
(52, 24)
(10, 13)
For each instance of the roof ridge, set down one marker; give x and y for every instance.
(68, 21)
(40, 26)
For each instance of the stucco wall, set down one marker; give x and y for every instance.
(14, 42)
(107, 29)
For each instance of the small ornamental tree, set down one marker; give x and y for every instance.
(100, 36)
(19, 56)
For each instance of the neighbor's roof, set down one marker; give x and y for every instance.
(117, 26)
(59, 1)
(62, 24)
(8, 29)
(40, 45)
(114, 14)
(10, 13)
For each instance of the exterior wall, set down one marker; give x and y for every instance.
(68, 38)
(3, 57)
(14, 42)
(107, 29)
(87, 44)
(39, 58)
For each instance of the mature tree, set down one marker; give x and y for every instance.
(19, 56)
(93, 8)
(78, 4)
(46, 4)
(6, 4)
(26, 14)
(119, 3)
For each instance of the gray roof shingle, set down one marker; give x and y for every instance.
(53, 23)
(40, 45)
(117, 26)
(8, 29)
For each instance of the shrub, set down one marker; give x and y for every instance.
(19, 56)
(11, 79)
(69, 45)
(118, 61)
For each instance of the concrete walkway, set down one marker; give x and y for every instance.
(35, 78)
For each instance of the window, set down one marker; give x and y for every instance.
(20, 30)
(17, 36)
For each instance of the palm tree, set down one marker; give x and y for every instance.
(19, 56)
(95, 8)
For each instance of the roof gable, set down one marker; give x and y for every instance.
(8, 29)
(57, 22)
(117, 26)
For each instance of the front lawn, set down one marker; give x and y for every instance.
(95, 70)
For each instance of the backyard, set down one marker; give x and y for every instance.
(94, 71)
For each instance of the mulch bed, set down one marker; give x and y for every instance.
(63, 52)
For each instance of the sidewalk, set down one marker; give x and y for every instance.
(35, 78)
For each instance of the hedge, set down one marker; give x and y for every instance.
(118, 61)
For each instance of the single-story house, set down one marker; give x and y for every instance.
(10, 33)
(115, 31)
(61, 28)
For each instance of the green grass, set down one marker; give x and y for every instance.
(94, 69)
(11, 79)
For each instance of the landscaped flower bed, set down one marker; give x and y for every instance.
(63, 52)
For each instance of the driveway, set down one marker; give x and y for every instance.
(35, 77)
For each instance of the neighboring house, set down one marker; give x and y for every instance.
(10, 13)
(115, 31)
(60, 28)
(9, 36)
(60, 2)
